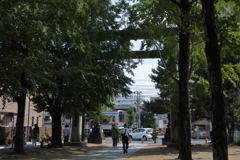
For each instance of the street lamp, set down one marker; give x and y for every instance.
(138, 107)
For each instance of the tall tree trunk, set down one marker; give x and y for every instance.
(184, 112)
(83, 127)
(21, 102)
(56, 114)
(219, 135)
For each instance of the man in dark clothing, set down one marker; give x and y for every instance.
(125, 137)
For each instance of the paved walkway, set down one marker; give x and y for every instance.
(113, 153)
(8, 148)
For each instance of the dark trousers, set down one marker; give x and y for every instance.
(125, 142)
(66, 139)
(114, 141)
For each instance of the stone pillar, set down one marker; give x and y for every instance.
(76, 128)
(96, 136)
(167, 135)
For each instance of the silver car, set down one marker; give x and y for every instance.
(141, 133)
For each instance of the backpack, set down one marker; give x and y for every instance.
(124, 134)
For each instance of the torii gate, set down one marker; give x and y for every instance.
(78, 122)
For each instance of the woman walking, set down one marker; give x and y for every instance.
(125, 137)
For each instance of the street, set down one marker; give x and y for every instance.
(159, 141)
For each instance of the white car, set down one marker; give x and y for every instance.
(141, 133)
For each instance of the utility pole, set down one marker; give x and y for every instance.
(138, 107)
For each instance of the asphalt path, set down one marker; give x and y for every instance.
(136, 143)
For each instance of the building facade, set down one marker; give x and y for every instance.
(8, 114)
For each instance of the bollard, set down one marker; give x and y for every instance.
(206, 141)
(142, 140)
(6, 143)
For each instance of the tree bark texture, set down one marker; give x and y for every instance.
(21, 102)
(56, 127)
(185, 152)
(83, 127)
(219, 135)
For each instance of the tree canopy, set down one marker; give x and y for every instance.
(64, 55)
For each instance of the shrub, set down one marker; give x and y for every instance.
(10, 141)
(155, 132)
(46, 138)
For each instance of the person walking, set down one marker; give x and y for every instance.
(114, 134)
(125, 137)
(66, 133)
(35, 134)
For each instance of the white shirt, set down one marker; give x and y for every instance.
(66, 131)
(126, 133)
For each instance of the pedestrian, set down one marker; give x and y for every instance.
(125, 137)
(114, 134)
(35, 134)
(66, 133)
(14, 136)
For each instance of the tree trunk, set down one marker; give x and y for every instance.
(219, 135)
(83, 127)
(56, 128)
(184, 112)
(21, 101)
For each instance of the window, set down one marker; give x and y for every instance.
(37, 120)
(32, 121)
(47, 118)
(11, 99)
(121, 117)
(113, 119)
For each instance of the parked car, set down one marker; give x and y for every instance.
(140, 133)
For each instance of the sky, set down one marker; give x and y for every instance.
(141, 77)
(142, 80)
(141, 74)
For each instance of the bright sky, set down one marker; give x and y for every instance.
(141, 77)
(141, 74)
(142, 80)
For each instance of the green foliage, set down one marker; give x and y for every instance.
(10, 141)
(158, 106)
(65, 55)
(97, 119)
(155, 132)
(147, 119)
(46, 138)
(131, 116)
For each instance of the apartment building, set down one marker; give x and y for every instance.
(8, 114)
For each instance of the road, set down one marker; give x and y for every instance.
(107, 140)
(159, 141)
